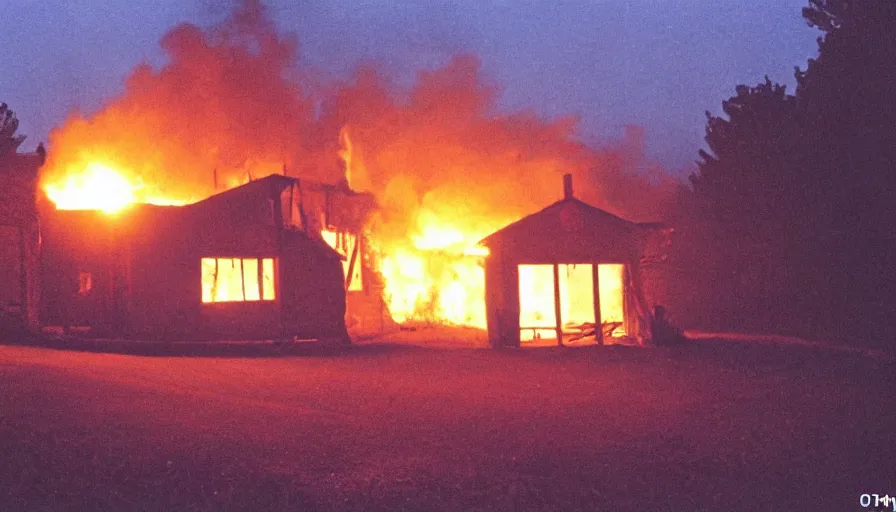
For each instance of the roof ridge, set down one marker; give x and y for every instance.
(615, 219)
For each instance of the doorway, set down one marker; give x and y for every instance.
(574, 284)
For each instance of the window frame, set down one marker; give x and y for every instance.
(265, 294)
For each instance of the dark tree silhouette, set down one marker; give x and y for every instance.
(753, 159)
(9, 141)
(847, 94)
(746, 213)
(807, 183)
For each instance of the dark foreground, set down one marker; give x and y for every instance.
(710, 426)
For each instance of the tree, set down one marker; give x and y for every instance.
(9, 141)
(747, 209)
(753, 163)
(807, 183)
(847, 94)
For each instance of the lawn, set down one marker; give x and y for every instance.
(709, 426)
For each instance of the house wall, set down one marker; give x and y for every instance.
(145, 269)
(166, 279)
(20, 236)
(11, 268)
(502, 300)
(332, 207)
(312, 294)
(79, 260)
(162, 276)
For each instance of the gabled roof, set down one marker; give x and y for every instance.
(269, 186)
(237, 203)
(555, 217)
(272, 185)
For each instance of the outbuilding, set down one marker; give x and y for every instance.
(568, 272)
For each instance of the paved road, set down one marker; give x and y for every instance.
(707, 427)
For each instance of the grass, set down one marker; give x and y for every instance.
(708, 426)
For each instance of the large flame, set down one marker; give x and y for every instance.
(101, 187)
(437, 275)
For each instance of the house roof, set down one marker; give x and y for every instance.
(273, 185)
(559, 216)
(238, 200)
(269, 186)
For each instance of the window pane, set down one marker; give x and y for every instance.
(537, 296)
(237, 279)
(612, 305)
(208, 279)
(229, 286)
(576, 295)
(267, 278)
(85, 283)
(250, 278)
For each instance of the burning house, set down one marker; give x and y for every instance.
(568, 271)
(272, 258)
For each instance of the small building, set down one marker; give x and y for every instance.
(248, 263)
(569, 271)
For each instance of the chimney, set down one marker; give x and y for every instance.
(567, 186)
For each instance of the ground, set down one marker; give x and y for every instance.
(383, 426)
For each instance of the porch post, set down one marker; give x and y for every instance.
(598, 328)
(559, 325)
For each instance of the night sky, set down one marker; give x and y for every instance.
(656, 63)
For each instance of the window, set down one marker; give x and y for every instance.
(85, 283)
(346, 244)
(237, 279)
(538, 308)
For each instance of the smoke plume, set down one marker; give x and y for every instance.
(232, 103)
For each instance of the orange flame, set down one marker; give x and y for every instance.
(437, 275)
(100, 187)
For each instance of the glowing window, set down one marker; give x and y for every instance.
(537, 314)
(267, 279)
(612, 303)
(346, 244)
(85, 283)
(237, 279)
(251, 290)
(576, 295)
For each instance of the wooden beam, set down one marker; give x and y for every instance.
(243, 278)
(215, 283)
(352, 260)
(557, 304)
(259, 271)
(598, 327)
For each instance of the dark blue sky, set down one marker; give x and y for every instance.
(656, 63)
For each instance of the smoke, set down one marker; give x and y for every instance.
(228, 103)
(441, 149)
(233, 102)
